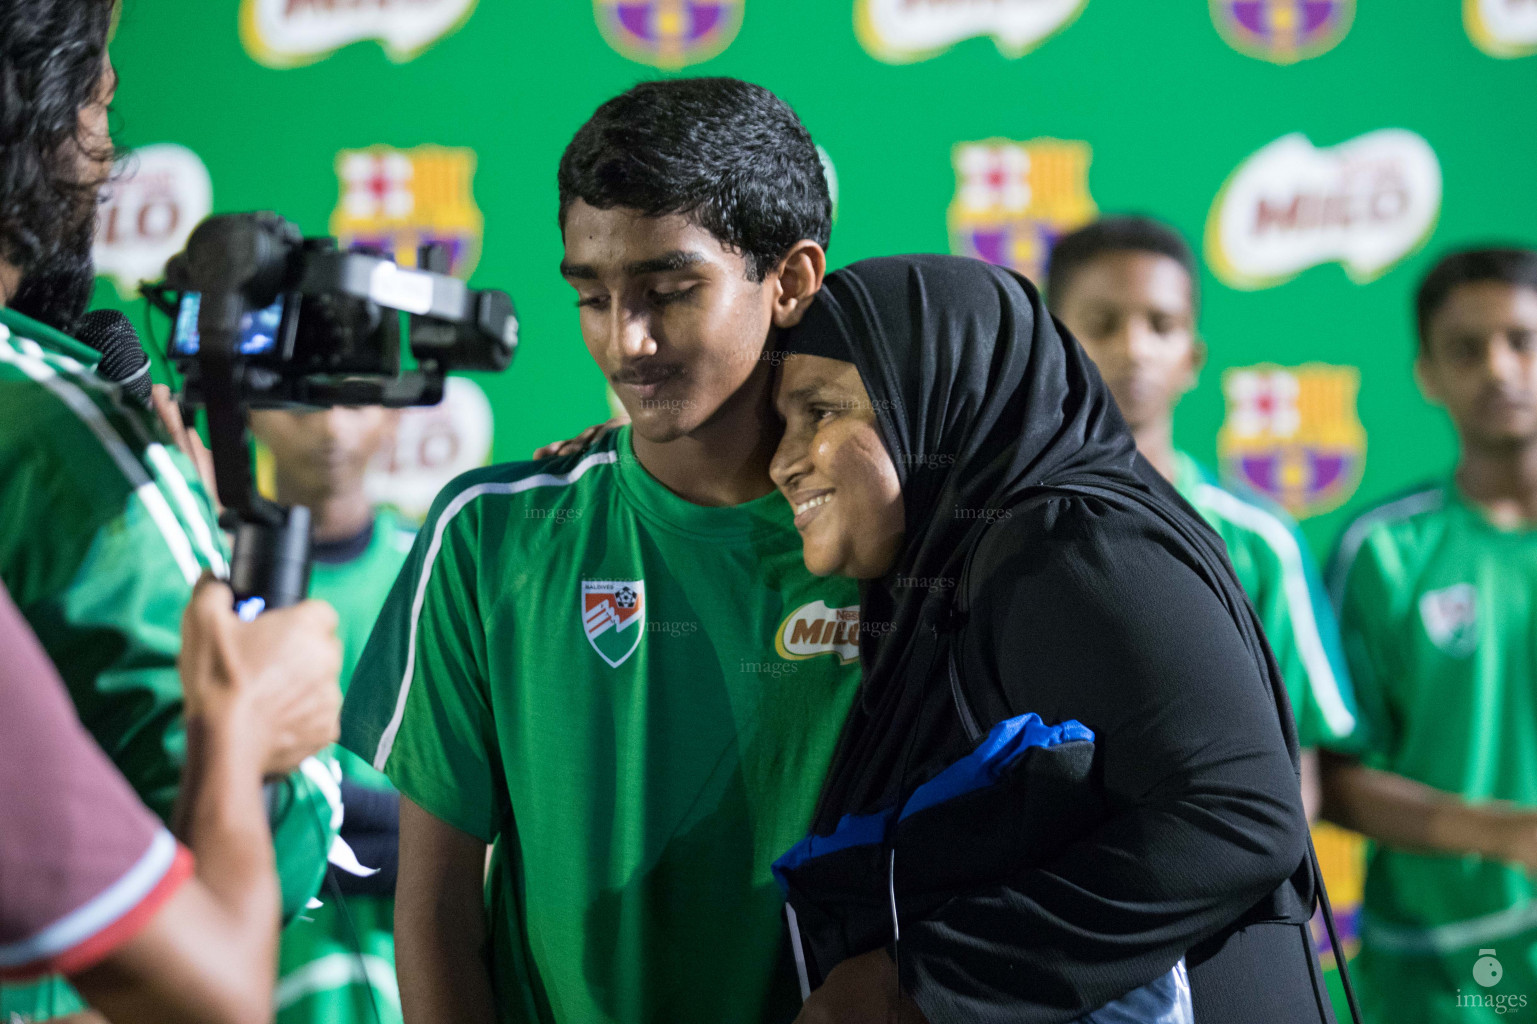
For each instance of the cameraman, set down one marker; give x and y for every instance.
(105, 528)
(92, 886)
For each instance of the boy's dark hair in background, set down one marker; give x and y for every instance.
(1505, 265)
(729, 155)
(1117, 234)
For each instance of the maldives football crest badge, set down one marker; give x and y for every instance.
(669, 34)
(396, 200)
(1013, 200)
(1293, 434)
(614, 617)
(1283, 31)
(1451, 619)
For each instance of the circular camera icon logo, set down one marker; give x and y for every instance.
(1486, 969)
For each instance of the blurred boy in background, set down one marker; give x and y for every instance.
(338, 964)
(1437, 595)
(1126, 288)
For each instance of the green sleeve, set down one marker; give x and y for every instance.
(1279, 574)
(1369, 609)
(419, 704)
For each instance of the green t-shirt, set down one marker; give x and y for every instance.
(1277, 572)
(1437, 611)
(357, 589)
(106, 531)
(638, 699)
(338, 967)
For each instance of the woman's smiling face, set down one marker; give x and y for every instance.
(835, 471)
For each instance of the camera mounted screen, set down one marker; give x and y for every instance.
(263, 332)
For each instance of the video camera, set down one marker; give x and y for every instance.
(267, 318)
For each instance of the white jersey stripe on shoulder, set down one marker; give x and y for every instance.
(133, 470)
(463, 498)
(165, 470)
(104, 910)
(1299, 601)
(1356, 534)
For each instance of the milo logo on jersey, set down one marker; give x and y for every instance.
(814, 629)
(613, 617)
(1292, 433)
(901, 31)
(1013, 200)
(396, 200)
(1502, 28)
(290, 33)
(1283, 31)
(1450, 617)
(669, 34)
(158, 195)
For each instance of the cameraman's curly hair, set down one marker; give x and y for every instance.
(51, 54)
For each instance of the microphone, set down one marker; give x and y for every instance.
(122, 357)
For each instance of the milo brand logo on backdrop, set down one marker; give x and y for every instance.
(1292, 433)
(1365, 204)
(1013, 200)
(1283, 31)
(397, 200)
(289, 33)
(669, 34)
(815, 628)
(158, 195)
(1502, 28)
(433, 444)
(901, 31)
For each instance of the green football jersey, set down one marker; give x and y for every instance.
(1437, 612)
(106, 531)
(1278, 574)
(637, 698)
(338, 967)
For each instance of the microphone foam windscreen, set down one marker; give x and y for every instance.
(122, 357)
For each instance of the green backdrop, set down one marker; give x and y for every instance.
(1169, 107)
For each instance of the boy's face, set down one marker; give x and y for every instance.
(1132, 313)
(668, 313)
(1479, 361)
(324, 452)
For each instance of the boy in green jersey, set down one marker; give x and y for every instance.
(105, 526)
(613, 666)
(1126, 289)
(337, 964)
(1438, 592)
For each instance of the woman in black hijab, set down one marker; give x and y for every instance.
(950, 444)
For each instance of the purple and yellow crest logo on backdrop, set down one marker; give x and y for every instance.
(669, 34)
(1292, 433)
(1283, 31)
(397, 200)
(1013, 200)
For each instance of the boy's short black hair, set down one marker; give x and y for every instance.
(729, 155)
(1117, 234)
(1504, 264)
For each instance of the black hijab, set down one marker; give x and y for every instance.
(982, 400)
